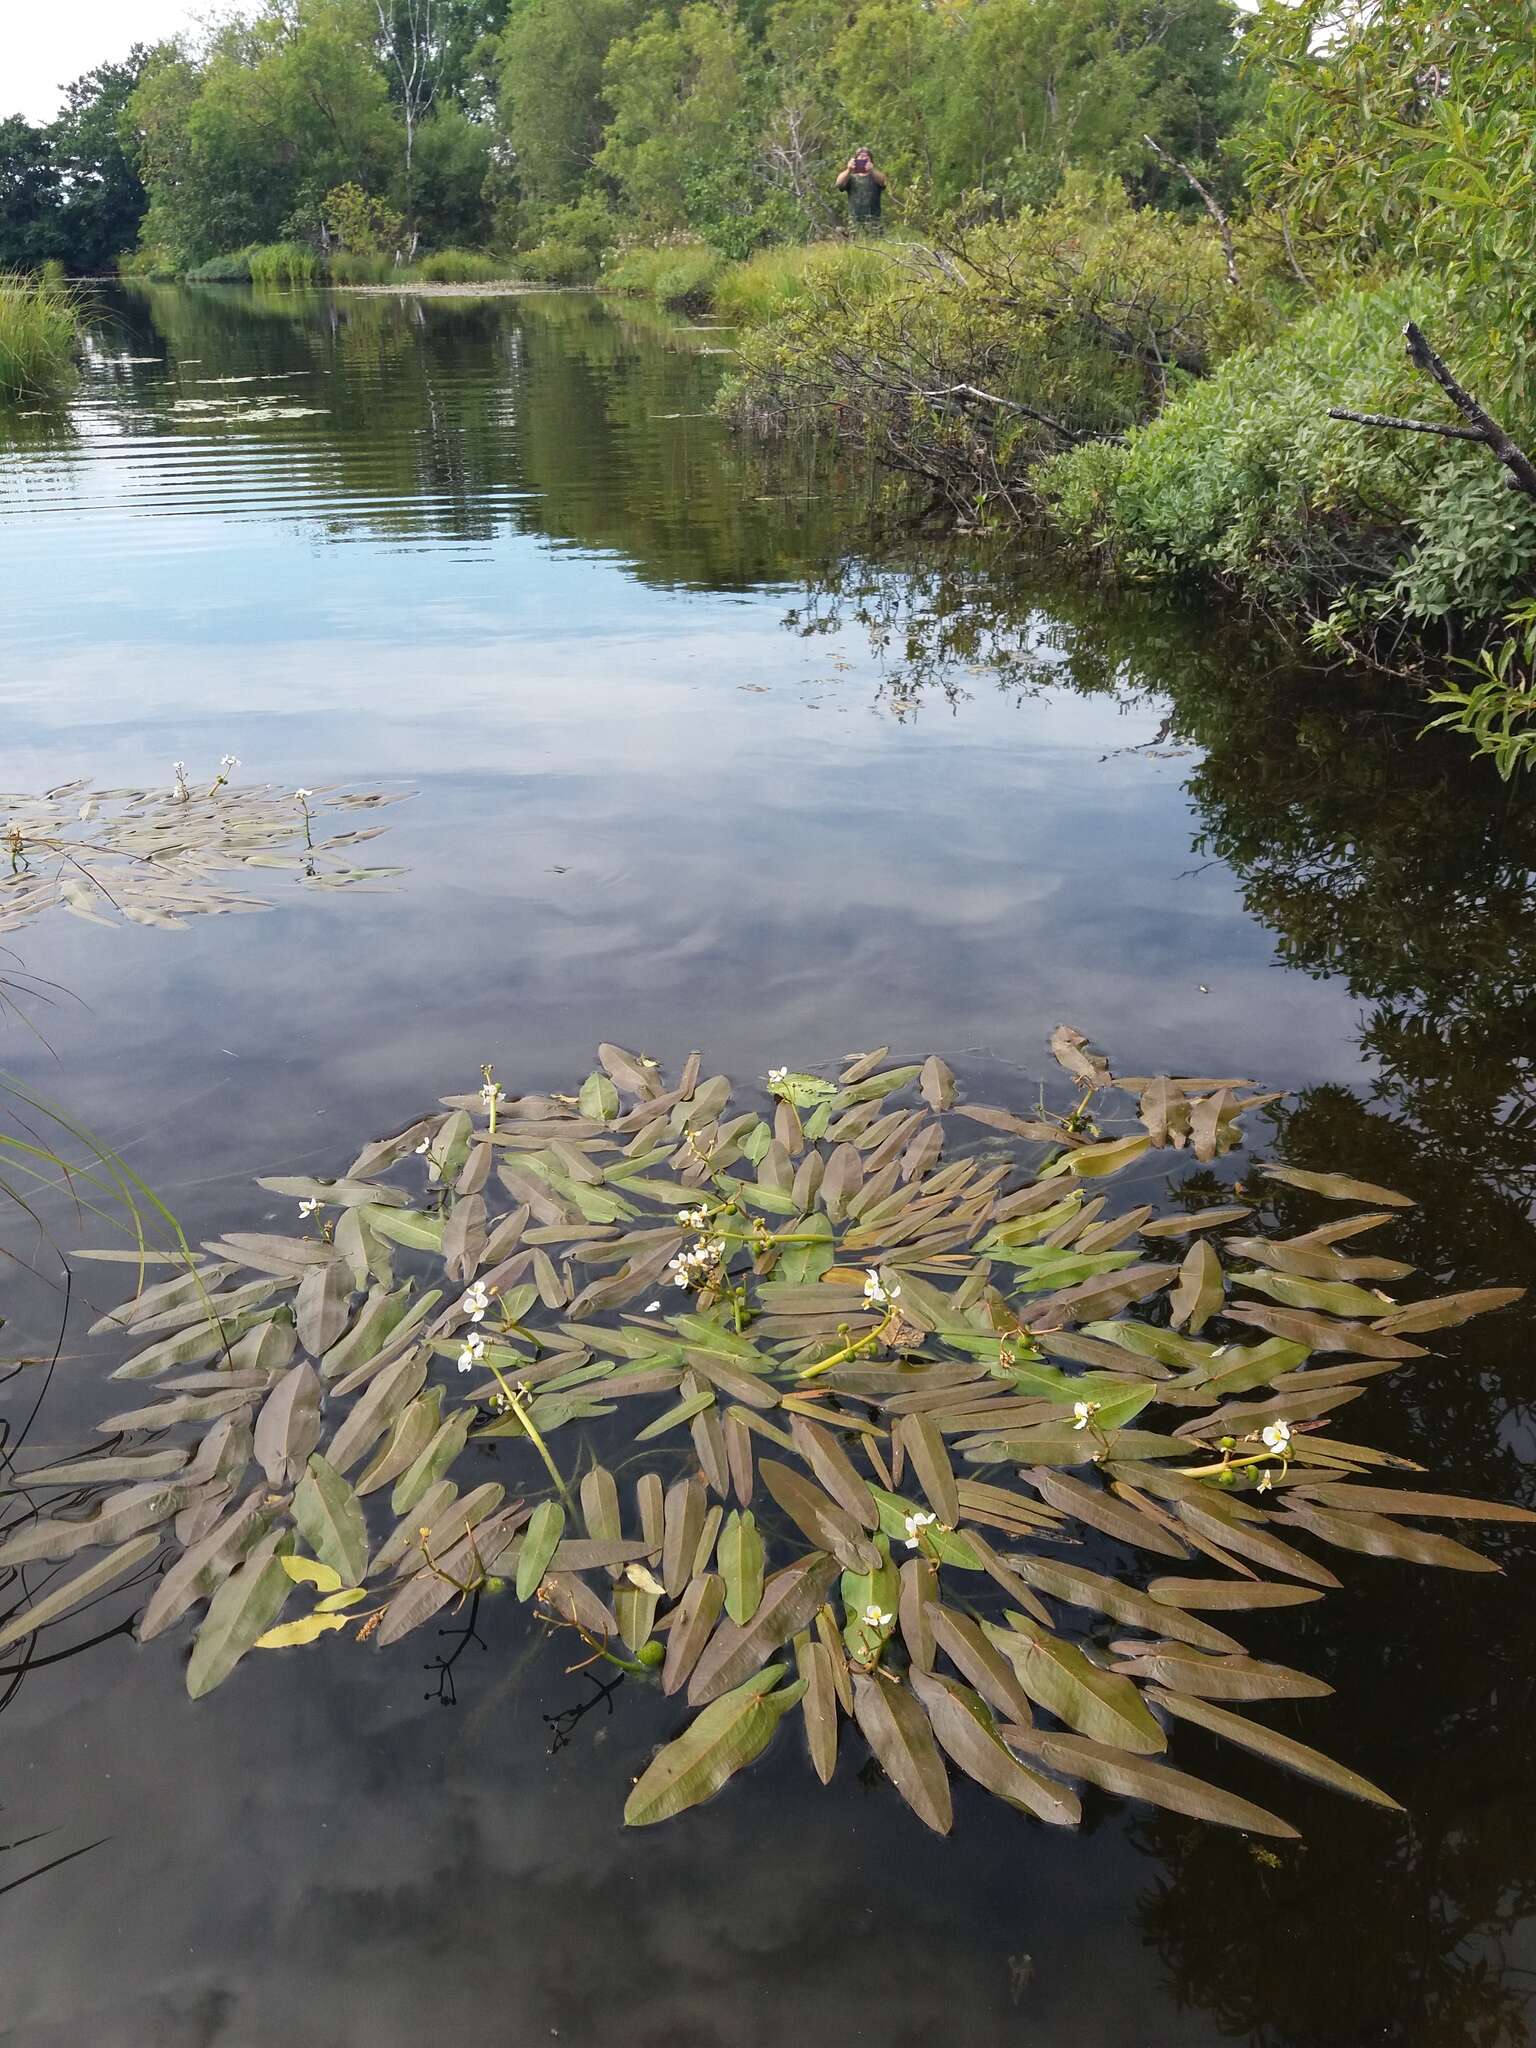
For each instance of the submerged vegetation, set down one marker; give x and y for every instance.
(881, 1354)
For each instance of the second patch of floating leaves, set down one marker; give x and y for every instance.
(879, 1381)
(158, 857)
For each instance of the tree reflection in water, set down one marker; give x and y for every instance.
(1405, 869)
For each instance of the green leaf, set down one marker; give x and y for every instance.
(598, 1098)
(330, 1519)
(730, 1733)
(243, 1608)
(546, 1526)
(1061, 1679)
(307, 1571)
(418, 1233)
(803, 1090)
(740, 1555)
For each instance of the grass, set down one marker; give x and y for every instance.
(693, 277)
(683, 274)
(39, 321)
(284, 263)
(460, 266)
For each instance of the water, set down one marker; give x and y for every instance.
(693, 763)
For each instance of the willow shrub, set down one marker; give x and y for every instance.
(1245, 480)
(39, 322)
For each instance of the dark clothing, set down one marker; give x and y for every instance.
(864, 191)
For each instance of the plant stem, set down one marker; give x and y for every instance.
(530, 1430)
(850, 1349)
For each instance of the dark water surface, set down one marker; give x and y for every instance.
(692, 766)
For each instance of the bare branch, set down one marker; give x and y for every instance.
(1487, 429)
(1223, 225)
(1402, 426)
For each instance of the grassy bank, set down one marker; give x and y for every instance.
(39, 323)
(297, 265)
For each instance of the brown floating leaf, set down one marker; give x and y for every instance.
(924, 1446)
(1017, 1126)
(818, 1516)
(1377, 1537)
(1393, 1500)
(1228, 1593)
(697, 1613)
(979, 1661)
(728, 1735)
(83, 1586)
(790, 1598)
(1080, 1587)
(897, 1730)
(1091, 1300)
(1338, 1187)
(818, 1703)
(1135, 1778)
(1092, 1505)
(1447, 1310)
(1069, 1048)
(1323, 1333)
(968, 1735)
(937, 1083)
(1200, 1288)
(1198, 1219)
(1266, 1742)
(1224, 1678)
(288, 1427)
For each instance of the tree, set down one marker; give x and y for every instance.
(103, 196)
(552, 104)
(683, 97)
(29, 196)
(434, 52)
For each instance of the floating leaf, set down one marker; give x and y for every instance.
(330, 1519)
(85, 1585)
(1267, 1742)
(289, 1635)
(546, 1526)
(1337, 1187)
(967, 1735)
(1061, 1679)
(740, 1554)
(730, 1733)
(1133, 1777)
(897, 1730)
(244, 1608)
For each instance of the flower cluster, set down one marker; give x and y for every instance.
(309, 1205)
(876, 1292)
(181, 792)
(694, 1219)
(916, 1524)
(228, 763)
(695, 1262)
(475, 1301)
(473, 1351)
(491, 1096)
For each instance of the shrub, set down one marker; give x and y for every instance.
(352, 266)
(362, 224)
(680, 274)
(775, 280)
(1245, 479)
(39, 322)
(234, 268)
(460, 266)
(284, 263)
(557, 262)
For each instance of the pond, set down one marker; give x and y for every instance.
(689, 759)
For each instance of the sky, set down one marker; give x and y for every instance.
(45, 47)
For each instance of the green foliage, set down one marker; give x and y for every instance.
(233, 268)
(1498, 708)
(552, 106)
(555, 262)
(775, 281)
(1245, 479)
(682, 275)
(29, 195)
(39, 324)
(362, 223)
(1402, 129)
(287, 264)
(460, 266)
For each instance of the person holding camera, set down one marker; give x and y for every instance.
(864, 185)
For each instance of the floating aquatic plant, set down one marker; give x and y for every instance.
(884, 1379)
(151, 855)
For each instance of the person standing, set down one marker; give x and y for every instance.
(865, 186)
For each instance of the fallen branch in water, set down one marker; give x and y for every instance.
(1482, 426)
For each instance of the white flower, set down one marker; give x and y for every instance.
(695, 1262)
(425, 1145)
(179, 769)
(229, 762)
(693, 1219)
(776, 1075)
(873, 1618)
(475, 1302)
(1263, 1486)
(434, 1170)
(651, 1307)
(1083, 1413)
(874, 1288)
(1277, 1437)
(473, 1351)
(302, 796)
(308, 1206)
(916, 1523)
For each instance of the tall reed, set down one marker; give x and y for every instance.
(39, 323)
